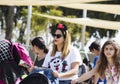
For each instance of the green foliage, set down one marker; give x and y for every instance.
(56, 12)
(24, 12)
(37, 24)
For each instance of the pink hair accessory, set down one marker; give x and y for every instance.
(61, 26)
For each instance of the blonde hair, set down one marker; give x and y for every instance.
(66, 45)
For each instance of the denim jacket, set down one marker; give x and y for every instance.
(48, 73)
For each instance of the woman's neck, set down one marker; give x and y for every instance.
(110, 61)
(41, 56)
(59, 48)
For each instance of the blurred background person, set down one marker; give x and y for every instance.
(95, 49)
(40, 49)
(10, 71)
(84, 68)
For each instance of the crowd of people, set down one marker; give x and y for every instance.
(65, 61)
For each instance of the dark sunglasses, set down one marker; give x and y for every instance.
(57, 35)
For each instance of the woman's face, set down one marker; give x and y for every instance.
(35, 49)
(109, 51)
(58, 38)
(95, 52)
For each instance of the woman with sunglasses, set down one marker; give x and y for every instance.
(63, 59)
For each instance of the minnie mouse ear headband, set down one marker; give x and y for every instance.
(61, 26)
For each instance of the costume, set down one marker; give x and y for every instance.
(62, 65)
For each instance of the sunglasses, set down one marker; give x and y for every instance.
(57, 35)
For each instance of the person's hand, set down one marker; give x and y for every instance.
(74, 81)
(31, 68)
(23, 64)
(55, 74)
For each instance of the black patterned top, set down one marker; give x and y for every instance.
(5, 53)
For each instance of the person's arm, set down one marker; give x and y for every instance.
(96, 78)
(85, 76)
(72, 72)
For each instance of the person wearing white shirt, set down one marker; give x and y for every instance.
(63, 59)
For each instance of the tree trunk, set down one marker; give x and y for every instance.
(9, 22)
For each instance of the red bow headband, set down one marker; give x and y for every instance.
(61, 26)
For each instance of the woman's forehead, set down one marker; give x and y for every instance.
(109, 45)
(58, 31)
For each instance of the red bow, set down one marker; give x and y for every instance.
(60, 26)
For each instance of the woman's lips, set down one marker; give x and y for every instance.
(55, 40)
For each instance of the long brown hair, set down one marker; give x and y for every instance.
(103, 63)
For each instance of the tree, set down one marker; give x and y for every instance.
(9, 22)
(8, 13)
